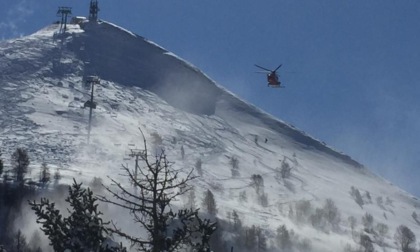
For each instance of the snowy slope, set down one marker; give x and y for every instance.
(143, 85)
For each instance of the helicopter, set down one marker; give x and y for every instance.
(272, 76)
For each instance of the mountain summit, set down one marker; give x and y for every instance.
(43, 95)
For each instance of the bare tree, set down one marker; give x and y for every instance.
(405, 238)
(151, 207)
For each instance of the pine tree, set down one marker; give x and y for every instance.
(257, 182)
(251, 238)
(83, 230)
(57, 176)
(198, 167)
(285, 169)
(44, 176)
(234, 162)
(263, 199)
(243, 197)
(367, 221)
(283, 238)
(366, 243)
(261, 240)
(1, 164)
(331, 213)
(237, 223)
(182, 152)
(20, 164)
(191, 204)
(209, 203)
(19, 242)
(355, 193)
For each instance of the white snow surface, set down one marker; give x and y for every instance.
(144, 86)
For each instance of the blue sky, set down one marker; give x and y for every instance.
(351, 68)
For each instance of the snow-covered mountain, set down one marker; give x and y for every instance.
(144, 86)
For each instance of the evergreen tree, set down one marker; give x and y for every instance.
(209, 203)
(1, 164)
(263, 199)
(251, 238)
(352, 221)
(367, 221)
(44, 176)
(257, 182)
(20, 164)
(355, 193)
(237, 223)
(331, 213)
(57, 176)
(285, 169)
(243, 197)
(368, 197)
(261, 240)
(366, 243)
(83, 230)
(198, 167)
(19, 242)
(234, 163)
(191, 204)
(283, 238)
(380, 201)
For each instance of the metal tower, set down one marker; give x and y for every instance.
(92, 80)
(93, 10)
(63, 12)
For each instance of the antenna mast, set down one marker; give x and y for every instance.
(93, 10)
